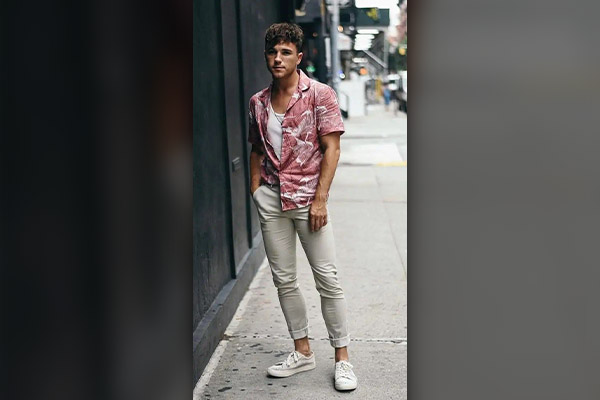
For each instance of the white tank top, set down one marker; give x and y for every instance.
(274, 131)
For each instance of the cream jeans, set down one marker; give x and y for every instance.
(279, 230)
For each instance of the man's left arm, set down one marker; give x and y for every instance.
(318, 209)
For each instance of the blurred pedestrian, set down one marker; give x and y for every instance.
(386, 96)
(295, 127)
(395, 101)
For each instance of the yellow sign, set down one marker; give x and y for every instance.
(373, 13)
(402, 51)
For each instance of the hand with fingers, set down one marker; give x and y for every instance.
(318, 215)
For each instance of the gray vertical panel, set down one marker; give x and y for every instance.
(244, 123)
(233, 115)
(504, 198)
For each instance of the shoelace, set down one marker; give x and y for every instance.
(292, 358)
(345, 370)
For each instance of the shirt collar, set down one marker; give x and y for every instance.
(304, 82)
(303, 85)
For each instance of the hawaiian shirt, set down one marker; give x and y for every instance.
(312, 112)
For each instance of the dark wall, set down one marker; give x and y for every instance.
(235, 127)
(211, 227)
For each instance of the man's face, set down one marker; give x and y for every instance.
(282, 59)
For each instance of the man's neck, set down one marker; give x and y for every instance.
(287, 84)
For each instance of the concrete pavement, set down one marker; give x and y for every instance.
(368, 212)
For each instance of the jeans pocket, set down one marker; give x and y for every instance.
(255, 193)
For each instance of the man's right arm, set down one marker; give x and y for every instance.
(257, 154)
(256, 158)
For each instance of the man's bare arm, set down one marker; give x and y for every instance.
(256, 158)
(318, 209)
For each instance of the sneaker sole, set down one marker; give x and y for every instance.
(346, 387)
(290, 372)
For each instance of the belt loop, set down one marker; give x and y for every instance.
(271, 185)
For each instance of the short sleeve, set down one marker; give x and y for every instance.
(253, 132)
(328, 115)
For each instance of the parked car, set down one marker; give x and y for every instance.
(403, 91)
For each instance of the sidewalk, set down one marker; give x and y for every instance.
(368, 212)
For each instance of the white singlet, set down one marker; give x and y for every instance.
(274, 131)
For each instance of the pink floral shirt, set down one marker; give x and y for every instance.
(312, 112)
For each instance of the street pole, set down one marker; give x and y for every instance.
(335, 54)
(386, 54)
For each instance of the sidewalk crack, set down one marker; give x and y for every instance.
(396, 340)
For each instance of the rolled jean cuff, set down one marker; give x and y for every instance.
(340, 342)
(300, 333)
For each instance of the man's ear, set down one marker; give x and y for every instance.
(299, 58)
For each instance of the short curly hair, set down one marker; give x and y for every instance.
(284, 32)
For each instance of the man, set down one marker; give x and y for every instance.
(295, 128)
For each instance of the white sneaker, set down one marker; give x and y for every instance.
(344, 377)
(295, 362)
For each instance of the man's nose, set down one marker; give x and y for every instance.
(278, 56)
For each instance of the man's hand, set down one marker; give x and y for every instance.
(318, 215)
(256, 156)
